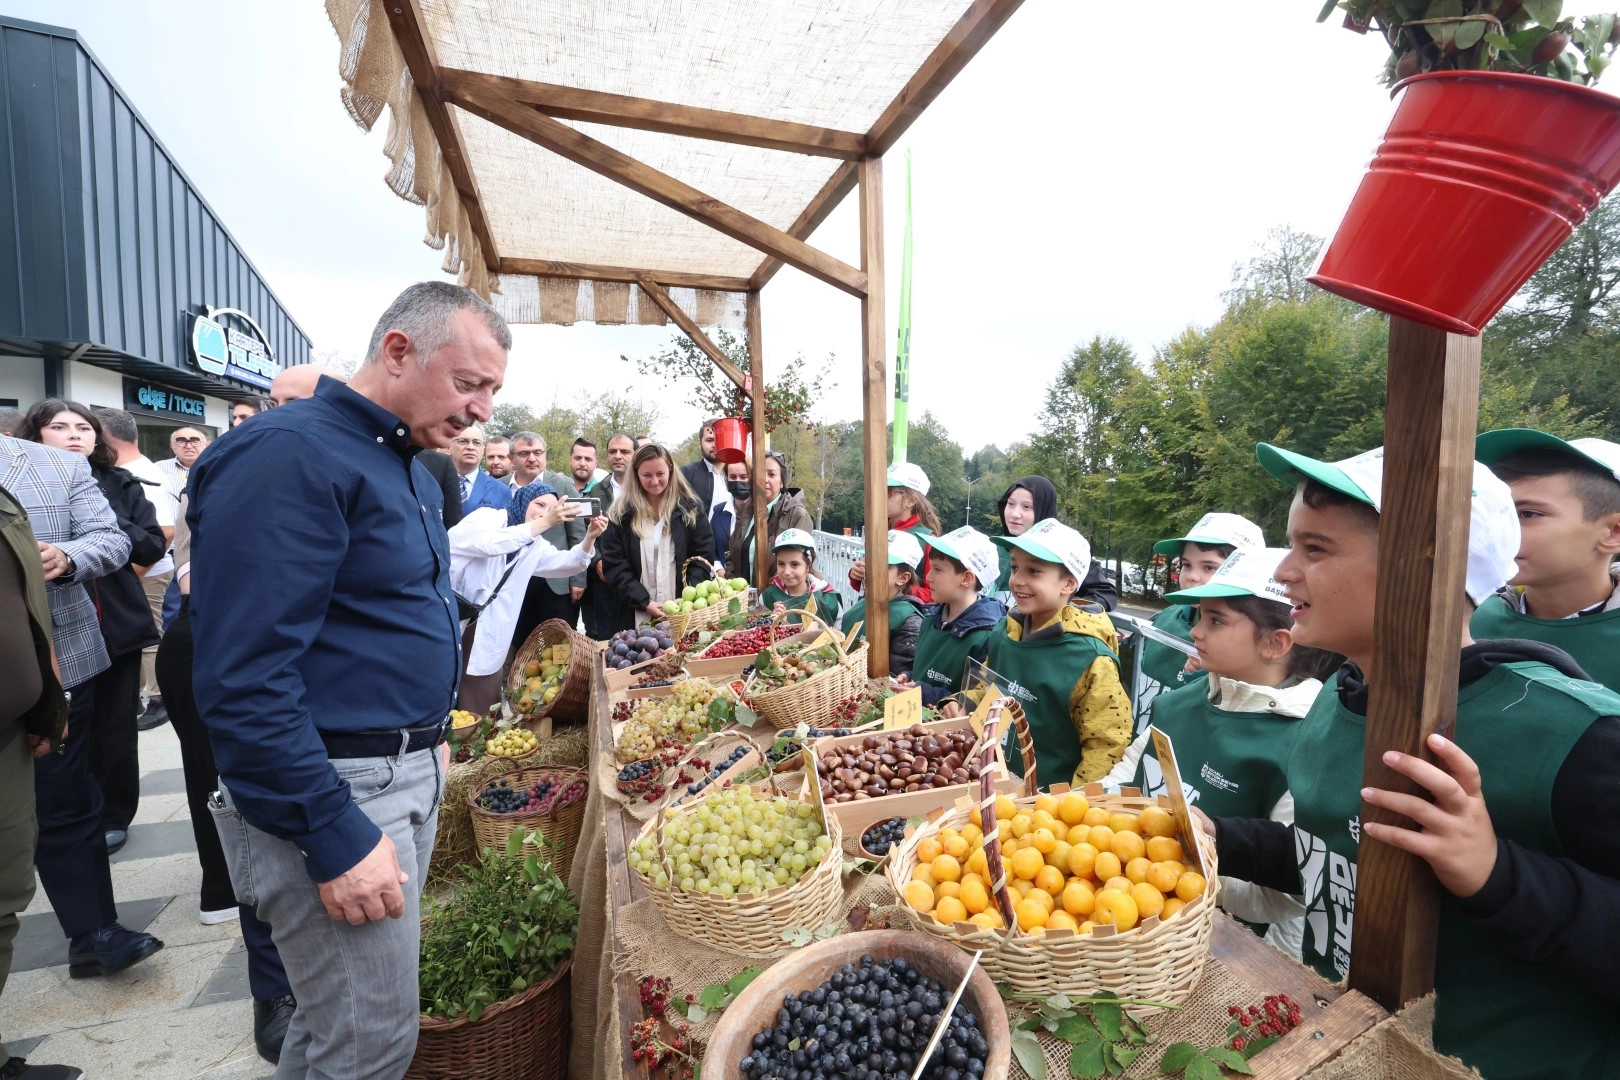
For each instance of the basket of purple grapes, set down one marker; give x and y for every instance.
(546, 799)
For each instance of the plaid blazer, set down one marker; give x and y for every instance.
(67, 509)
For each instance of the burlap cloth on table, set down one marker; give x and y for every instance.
(1397, 1046)
(569, 746)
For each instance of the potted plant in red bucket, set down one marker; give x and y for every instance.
(1498, 149)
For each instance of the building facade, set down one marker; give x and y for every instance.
(118, 284)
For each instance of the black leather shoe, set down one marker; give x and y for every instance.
(116, 839)
(156, 715)
(18, 1069)
(108, 951)
(270, 1020)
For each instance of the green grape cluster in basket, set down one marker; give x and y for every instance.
(682, 716)
(736, 842)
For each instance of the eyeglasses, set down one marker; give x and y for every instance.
(528, 453)
(468, 442)
(185, 439)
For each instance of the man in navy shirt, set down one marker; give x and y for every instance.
(327, 654)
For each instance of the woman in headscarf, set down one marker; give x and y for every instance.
(488, 548)
(1032, 499)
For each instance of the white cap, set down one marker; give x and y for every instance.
(1213, 530)
(905, 474)
(904, 550)
(1493, 523)
(1052, 541)
(1493, 446)
(1246, 572)
(795, 538)
(972, 549)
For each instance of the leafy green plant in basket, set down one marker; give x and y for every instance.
(506, 926)
(1522, 36)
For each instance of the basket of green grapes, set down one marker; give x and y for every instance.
(737, 867)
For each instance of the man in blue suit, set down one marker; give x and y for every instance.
(478, 488)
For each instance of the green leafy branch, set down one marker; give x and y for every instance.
(716, 996)
(1195, 1064)
(1104, 1039)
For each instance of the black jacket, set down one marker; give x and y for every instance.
(1545, 909)
(621, 561)
(442, 469)
(701, 479)
(120, 599)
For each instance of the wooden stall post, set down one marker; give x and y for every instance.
(1429, 422)
(756, 398)
(874, 418)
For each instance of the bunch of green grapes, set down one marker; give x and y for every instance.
(681, 717)
(736, 843)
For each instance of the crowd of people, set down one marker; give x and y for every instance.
(306, 604)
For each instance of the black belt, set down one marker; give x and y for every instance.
(362, 744)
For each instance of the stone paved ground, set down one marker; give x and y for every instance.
(184, 1014)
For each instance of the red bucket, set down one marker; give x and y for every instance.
(1480, 177)
(730, 440)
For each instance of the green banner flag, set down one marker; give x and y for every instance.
(902, 360)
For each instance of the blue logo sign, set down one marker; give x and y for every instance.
(219, 350)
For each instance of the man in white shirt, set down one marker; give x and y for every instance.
(187, 443)
(620, 449)
(118, 427)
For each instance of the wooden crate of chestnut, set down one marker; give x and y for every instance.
(874, 775)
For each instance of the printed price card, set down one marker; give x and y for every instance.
(903, 709)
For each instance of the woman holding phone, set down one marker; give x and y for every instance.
(493, 554)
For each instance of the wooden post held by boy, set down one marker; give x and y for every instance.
(874, 417)
(1421, 609)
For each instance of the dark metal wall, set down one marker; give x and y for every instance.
(102, 238)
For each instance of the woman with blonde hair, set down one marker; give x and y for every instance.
(654, 527)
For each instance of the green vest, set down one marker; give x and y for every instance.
(901, 608)
(1593, 640)
(1160, 662)
(1518, 723)
(826, 603)
(1041, 675)
(942, 656)
(1233, 764)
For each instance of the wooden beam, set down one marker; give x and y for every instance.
(603, 159)
(949, 57)
(670, 279)
(692, 330)
(410, 30)
(645, 114)
(874, 418)
(839, 184)
(756, 402)
(1419, 617)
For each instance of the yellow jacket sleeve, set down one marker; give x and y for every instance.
(1101, 712)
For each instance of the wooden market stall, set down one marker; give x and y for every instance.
(642, 163)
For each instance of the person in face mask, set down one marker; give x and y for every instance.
(724, 516)
(784, 509)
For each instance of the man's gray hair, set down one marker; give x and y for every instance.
(423, 313)
(529, 437)
(117, 423)
(9, 419)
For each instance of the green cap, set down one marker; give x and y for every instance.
(1216, 530)
(1052, 541)
(1360, 477)
(1493, 446)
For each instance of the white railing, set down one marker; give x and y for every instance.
(835, 554)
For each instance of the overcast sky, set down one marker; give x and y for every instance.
(1097, 169)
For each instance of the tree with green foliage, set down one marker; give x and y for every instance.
(792, 391)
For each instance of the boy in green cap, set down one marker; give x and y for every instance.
(905, 610)
(1523, 828)
(1201, 552)
(1059, 662)
(962, 571)
(1564, 594)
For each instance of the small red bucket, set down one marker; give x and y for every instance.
(730, 440)
(1480, 177)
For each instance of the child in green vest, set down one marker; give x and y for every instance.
(1565, 593)
(1233, 731)
(905, 610)
(1201, 553)
(961, 575)
(1058, 661)
(797, 586)
(1522, 827)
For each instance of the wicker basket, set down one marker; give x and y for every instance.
(573, 699)
(819, 696)
(750, 925)
(1155, 960)
(522, 1038)
(561, 827)
(691, 622)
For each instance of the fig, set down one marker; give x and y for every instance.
(1549, 48)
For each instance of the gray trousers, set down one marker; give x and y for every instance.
(355, 985)
(18, 831)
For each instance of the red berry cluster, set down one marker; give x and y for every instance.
(647, 1048)
(741, 643)
(860, 706)
(1273, 1018)
(654, 994)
